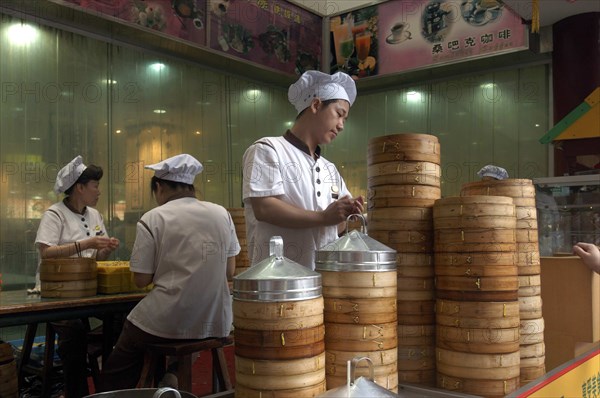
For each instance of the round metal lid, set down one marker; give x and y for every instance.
(355, 251)
(277, 278)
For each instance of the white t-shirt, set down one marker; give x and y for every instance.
(274, 166)
(185, 243)
(59, 225)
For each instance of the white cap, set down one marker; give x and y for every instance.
(314, 84)
(493, 171)
(180, 168)
(67, 176)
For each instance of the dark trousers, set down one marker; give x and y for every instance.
(124, 366)
(72, 349)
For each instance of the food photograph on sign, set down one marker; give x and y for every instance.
(271, 33)
(398, 36)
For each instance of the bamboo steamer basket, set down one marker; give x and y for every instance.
(280, 375)
(279, 328)
(360, 311)
(360, 289)
(481, 361)
(8, 372)
(405, 179)
(379, 358)
(478, 283)
(404, 167)
(279, 315)
(530, 307)
(373, 385)
(477, 323)
(407, 213)
(527, 235)
(399, 147)
(477, 271)
(487, 388)
(475, 206)
(530, 285)
(402, 195)
(531, 373)
(466, 295)
(478, 309)
(414, 259)
(483, 341)
(70, 277)
(511, 187)
(423, 377)
(501, 373)
(242, 391)
(415, 272)
(475, 259)
(473, 235)
(533, 350)
(402, 236)
(416, 335)
(355, 338)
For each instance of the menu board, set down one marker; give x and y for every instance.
(271, 33)
(397, 36)
(184, 19)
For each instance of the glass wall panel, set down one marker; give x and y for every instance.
(122, 108)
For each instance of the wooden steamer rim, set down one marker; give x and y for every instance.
(493, 388)
(483, 310)
(511, 187)
(477, 283)
(280, 382)
(277, 310)
(410, 146)
(401, 167)
(279, 368)
(242, 391)
(482, 361)
(379, 358)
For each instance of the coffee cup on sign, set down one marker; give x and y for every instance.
(398, 30)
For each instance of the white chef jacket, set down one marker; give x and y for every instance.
(283, 167)
(59, 225)
(185, 243)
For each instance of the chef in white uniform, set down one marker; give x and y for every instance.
(186, 248)
(289, 189)
(73, 228)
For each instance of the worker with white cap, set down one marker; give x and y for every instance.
(186, 248)
(289, 189)
(70, 228)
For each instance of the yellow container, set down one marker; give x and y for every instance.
(115, 277)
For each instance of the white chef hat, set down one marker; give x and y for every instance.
(68, 175)
(493, 171)
(180, 168)
(314, 84)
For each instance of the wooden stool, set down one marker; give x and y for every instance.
(155, 362)
(46, 371)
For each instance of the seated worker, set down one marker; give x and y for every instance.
(289, 189)
(73, 228)
(186, 248)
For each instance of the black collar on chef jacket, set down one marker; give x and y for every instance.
(295, 141)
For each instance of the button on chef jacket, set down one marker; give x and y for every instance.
(283, 167)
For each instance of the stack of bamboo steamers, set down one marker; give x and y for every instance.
(404, 177)
(469, 304)
(242, 262)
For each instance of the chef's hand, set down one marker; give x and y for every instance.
(100, 243)
(339, 210)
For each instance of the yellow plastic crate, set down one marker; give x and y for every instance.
(115, 277)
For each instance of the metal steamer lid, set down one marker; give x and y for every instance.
(359, 387)
(356, 251)
(277, 278)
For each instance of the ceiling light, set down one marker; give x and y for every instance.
(22, 34)
(159, 111)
